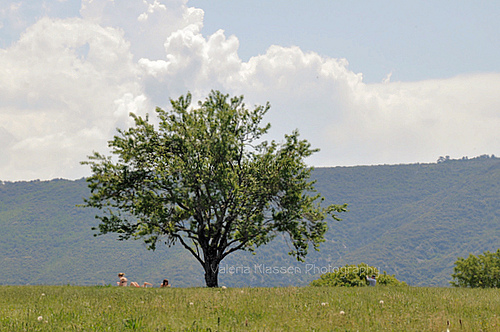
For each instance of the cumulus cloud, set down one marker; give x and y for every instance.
(357, 123)
(66, 84)
(416, 121)
(193, 63)
(146, 24)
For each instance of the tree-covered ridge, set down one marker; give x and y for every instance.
(47, 239)
(413, 221)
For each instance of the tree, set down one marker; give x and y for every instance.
(355, 276)
(482, 271)
(205, 179)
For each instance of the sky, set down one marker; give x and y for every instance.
(366, 82)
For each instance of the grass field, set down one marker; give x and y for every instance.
(73, 308)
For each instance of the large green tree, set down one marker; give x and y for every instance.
(481, 271)
(205, 178)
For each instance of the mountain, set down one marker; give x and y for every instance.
(409, 220)
(415, 220)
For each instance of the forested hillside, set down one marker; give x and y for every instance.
(415, 220)
(409, 220)
(47, 239)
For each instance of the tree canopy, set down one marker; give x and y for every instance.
(481, 271)
(205, 178)
(355, 276)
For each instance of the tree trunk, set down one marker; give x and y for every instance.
(211, 273)
(211, 267)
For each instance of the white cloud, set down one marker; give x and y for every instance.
(146, 24)
(387, 78)
(352, 122)
(66, 84)
(152, 8)
(194, 63)
(357, 123)
(417, 121)
(59, 102)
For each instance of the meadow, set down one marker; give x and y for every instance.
(106, 308)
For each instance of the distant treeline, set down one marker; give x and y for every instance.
(465, 158)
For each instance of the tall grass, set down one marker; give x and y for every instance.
(72, 308)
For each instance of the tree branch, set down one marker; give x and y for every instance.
(181, 240)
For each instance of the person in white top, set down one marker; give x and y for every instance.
(372, 280)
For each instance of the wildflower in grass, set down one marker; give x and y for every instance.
(223, 287)
(381, 302)
(43, 294)
(191, 303)
(324, 303)
(40, 318)
(342, 312)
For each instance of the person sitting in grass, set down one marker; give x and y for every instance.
(372, 280)
(123, 281)
(165, 283)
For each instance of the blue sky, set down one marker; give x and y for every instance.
(367, 82)
(415, 40)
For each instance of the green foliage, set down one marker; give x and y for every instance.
(205, 178)
(355, 276)
(385, 279)
(481, 271)
(69, 308)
